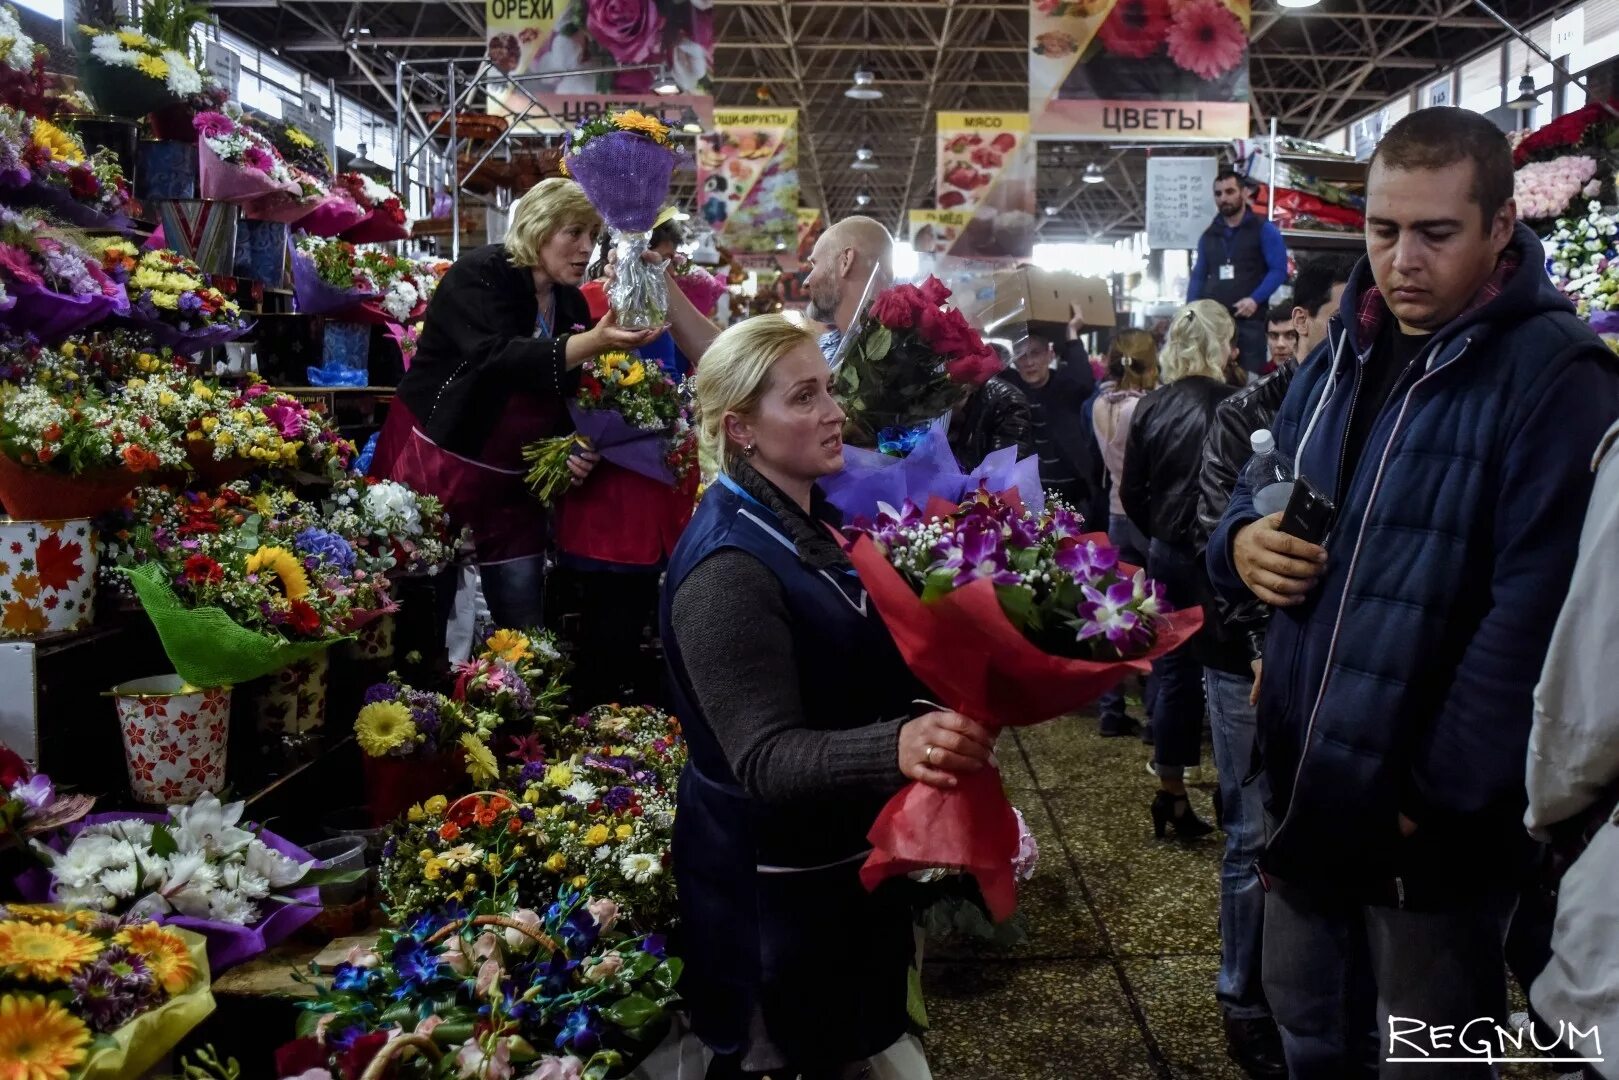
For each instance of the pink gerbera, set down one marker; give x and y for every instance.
(1207, 39)
(16, 264)
(1135, 28)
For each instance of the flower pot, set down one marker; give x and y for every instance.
(212, 473)
(295, 702)
(119, 134)
(28, 492)
(174, 738)
(261, 251)
(373, 641)
(393, 784)
(345, 355)
(165, 170)
(202, 230)
(47, 577)
(121, 91)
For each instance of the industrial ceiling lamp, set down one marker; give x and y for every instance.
(1093, 174)
(665, 83)
(865, 85)
(689, 122)
(1297, 3)
(1051, 211)
(862, 197)
(865, 159)
(1528, 96)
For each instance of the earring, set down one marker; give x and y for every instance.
(747, 451)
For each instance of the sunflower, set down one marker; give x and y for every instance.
(39, 1039)
(511, 646)
(285, 566)
(45, 952)
(63, 147)
(383, 726)
(164, 953)
(651, 126)
(481, 764)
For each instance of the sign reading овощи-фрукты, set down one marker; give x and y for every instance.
(579, 59)
(1109, 69)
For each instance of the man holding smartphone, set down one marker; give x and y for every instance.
(1241, 260)
(1451, 424)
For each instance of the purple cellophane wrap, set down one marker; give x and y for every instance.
(51, 316)
(61, 203)
(624, 444)
(316, 297)
(186, 342)
(869, 478)
(332, 215)
(280, 207)
(219, 179)
(1605, 322)
(228, 945)
(625, 176)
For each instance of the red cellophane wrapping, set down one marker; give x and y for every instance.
(980, 665)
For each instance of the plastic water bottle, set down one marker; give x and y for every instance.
(1269, 475)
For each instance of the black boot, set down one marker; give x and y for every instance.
(1256, 1046)
(1174, 811)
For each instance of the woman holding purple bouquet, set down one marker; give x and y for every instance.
(496, 363)
(796, 708)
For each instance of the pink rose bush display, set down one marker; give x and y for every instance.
(1545, 189)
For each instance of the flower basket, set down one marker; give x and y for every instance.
(120, 91)
(206, 646)
(174, 738)
(56, 594)
(394, 784)
(165, 170)
(41, 494)
(377, 228)
(333, 215)
(219, 179)
(227, 944)
(212, 472)
(52, 316)
(295, 701)
(142, 1044)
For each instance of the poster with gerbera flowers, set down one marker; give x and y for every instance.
(1173, 70)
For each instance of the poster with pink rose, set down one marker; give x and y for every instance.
(1171, 70)
(581, 58)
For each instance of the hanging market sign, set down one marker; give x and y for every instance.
(810, 227)
(986, 172)
(747, 179)
(581, 58)
(933, 231)
(1139, 69)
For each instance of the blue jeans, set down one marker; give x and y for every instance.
(515, 592)
(1132, 549)
(1177, 715)
(1342, 978)
(1242, 895)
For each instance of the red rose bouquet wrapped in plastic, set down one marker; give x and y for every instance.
(1011, 619)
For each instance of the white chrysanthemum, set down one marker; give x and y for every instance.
(183, 78)
(232, 908)
(394, 506)
(109, 50)
(640, 867)
(17, 46)
(273, 866)
(400, 300)
(85, 860)
(581, 791)
(92, 898)
(120, 882)
(238, 878)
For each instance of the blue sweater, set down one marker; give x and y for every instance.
(1270, 242)
(1404, 683)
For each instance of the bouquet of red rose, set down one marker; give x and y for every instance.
(1011, 619)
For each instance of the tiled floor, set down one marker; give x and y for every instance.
(1116, 977)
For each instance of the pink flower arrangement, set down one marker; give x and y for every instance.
(1544, 189)
(237, 144)
(1207, 39)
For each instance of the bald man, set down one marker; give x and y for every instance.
(840, 266)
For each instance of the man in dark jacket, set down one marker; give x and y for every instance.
(1452, 422)
(1232, 662)
(994, 417)
(1070, 463)
(1241, 260)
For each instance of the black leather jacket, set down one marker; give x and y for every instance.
(996, 416)
(1164, 455)
(1241, 627)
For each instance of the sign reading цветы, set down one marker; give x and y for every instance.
(1110, 69)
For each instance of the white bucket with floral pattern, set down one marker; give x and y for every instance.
(174, 738)
(47, 577)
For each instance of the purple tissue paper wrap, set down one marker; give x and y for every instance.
(930, 470)
(624, 444)
(625, 176)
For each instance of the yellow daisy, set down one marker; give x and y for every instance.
(511, 646)
(164, 953)
(131, 38)
(44, 913)
(63, 147)
(39, 1039)
(285, 566)
(481, 765)
(155, 66)
(383, 726)
(43, 951)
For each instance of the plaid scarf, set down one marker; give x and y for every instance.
(1373, 310)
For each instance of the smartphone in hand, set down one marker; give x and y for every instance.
(1309, 513)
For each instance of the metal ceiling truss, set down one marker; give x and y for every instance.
(1313, 70)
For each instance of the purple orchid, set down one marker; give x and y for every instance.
(1024, 532)
(1065, 525)
(1086, 560)
(1151, 598)
(891, 524)
(36, 793)
(980, 554)
(1108, 614)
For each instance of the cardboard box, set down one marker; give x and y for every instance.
(1045, 296)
